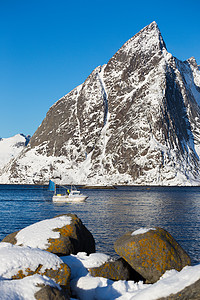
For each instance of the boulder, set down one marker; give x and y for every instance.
(191, 292)
(151, 252)
(51, 293)
(10, 238)
(116, 270)
(74, 238)
(27, 287)
(62, 235)
(18, 262)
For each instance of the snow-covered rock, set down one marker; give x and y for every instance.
(26, 288)
(11, 147)
(18, 262)
(61, 235)
(86, 287)
(134, 120)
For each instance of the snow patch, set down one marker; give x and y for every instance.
(14, 258)
(24, 289)
(142, 231)
(104, 93)
(37, 235)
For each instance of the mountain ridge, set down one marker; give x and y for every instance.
(134, 120)
(11, 147)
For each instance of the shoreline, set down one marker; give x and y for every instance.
(81, 186)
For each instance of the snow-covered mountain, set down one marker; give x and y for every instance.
(11, 147)
(134, 120)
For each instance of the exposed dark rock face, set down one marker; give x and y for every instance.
(134, 120)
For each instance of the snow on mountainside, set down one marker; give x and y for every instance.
(11, 147)
(134, 120)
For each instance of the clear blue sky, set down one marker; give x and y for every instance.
(49, 47)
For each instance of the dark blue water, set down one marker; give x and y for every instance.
(108, 214)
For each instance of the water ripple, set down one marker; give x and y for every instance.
(108, 214)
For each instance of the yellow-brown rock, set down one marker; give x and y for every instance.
(72, 236)
(152, 253)
(18, 262)
(116, 270)
(60, 275)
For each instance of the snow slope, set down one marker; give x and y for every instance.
(134, 120)
(11, 147)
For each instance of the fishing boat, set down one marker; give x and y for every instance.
(72, 195)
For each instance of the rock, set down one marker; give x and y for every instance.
(51, 293)
(10, 238)
(151, 253)
(116, 270)
(191, 292)
(67, 235)
(74, 238)
(18, 262)
(26, 287)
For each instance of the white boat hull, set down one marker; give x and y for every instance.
(68, 198)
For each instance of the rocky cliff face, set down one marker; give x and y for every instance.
(134, 120)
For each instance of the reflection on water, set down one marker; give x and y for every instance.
(108, 214)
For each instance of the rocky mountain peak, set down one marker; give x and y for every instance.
(134, 120)
(148, 41)
(192, 61)
(151, 34)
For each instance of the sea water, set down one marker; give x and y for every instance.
(108, 214)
